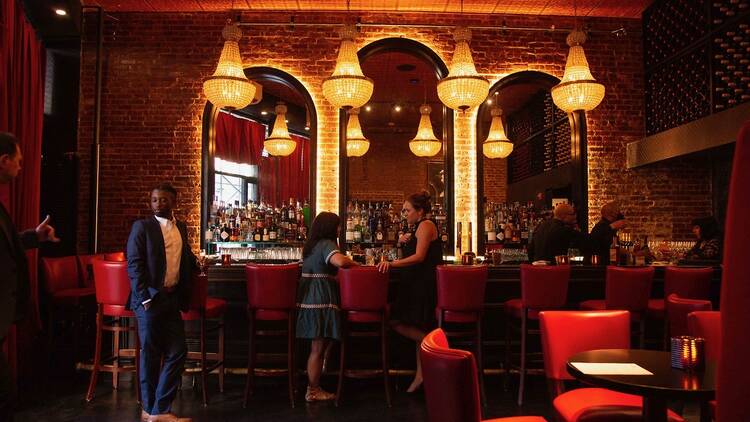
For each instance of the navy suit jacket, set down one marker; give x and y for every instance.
(14, 272)
(147, 263)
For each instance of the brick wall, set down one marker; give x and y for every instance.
(495, 179)
(152, 106)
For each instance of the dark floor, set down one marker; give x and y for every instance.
(62, 399)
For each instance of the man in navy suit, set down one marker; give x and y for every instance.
(14, 272)
(160, 267)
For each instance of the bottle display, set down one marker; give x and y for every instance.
(511, 224)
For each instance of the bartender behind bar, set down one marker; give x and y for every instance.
(601, 235)
(553, 237)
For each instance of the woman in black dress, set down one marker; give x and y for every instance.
(413, 314)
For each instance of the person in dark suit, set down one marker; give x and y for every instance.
(604, 230)
(14, 273)
(160, 267)
(554, 236)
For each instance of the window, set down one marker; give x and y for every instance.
(235, 183)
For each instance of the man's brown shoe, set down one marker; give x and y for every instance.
(168, 417)
(144, 416)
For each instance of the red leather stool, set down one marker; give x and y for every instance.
(364, 300)
(112, 291)
(271, 296)
(678, 309)
(203, 308)
(542, 288)
(67, 296)
(707, 324)
(626, 289)
(688, 283)
(450, 383)
(460, 301)
(565, 333)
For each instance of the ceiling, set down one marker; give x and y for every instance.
(593, 8)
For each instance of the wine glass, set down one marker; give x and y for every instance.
(202, 262)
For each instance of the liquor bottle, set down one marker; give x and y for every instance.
(273, 233)
(349, 229)
(379, 233)
(292, 215)
(225, 233)
(257, 234)
(357, 233)
(508, 232)
(458, 239)
(467, 258)
(614, 251)
(489, 227)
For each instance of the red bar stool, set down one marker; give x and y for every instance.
(460, 301)
(565, 333)
(542, 288)
(67, 295)
(707, 324)
(364, 300)
(450, 383)
(271, 296)
(112, 292)
(689, 283)
(678, 309)
(626, 289)
(203, 308)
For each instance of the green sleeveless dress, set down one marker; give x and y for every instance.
(318, 297)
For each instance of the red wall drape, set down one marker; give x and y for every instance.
(282, 178)
(239, 140)
(734, 371)
(22, 63)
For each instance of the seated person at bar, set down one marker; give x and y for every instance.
(708, 245)
(554, 236)
(601, 235)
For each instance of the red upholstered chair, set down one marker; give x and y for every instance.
(565, 333)
(112, 291)
(707, 324)
(203, 308)
(450, 383)
(115, 256)
(626, 289)
(364, 300)
(271, 296)
(85, 271)
(678, 309)
(542, 288)
(460, 301)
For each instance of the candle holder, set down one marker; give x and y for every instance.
(688, 352)
(226, 259)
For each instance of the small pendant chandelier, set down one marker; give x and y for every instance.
(280, 143)
(347, 86)
(356, 143)
(425, 144)
(229, 87)
(497, 144)
(578, 90)
(463, 88)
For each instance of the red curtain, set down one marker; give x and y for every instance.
(239, 140)
(22, 63)
(282, 178)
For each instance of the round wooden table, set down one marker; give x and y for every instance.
(665, 383)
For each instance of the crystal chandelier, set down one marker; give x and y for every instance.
(578, 90)
(228, 86)
(497, 144)
(425, 144)
(463, 87)
(356, 143)
(280, 143)
(347, 86)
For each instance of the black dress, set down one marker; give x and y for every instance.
(417, 293)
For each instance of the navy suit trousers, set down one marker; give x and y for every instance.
(162, 334)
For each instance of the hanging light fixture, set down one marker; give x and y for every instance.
(425, 144)
(229, 87)
(280, 143)
(347, 86)
(356, 143)
(497, 144)
(578, 90)
(463, 88)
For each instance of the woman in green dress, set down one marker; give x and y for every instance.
(318, 297)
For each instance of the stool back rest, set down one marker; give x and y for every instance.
(678, 309)
(707, 324)
(628, 288)
(544, 287)
(461, 287)
(111, 282)
(565, 333)
(272, 286)
(85, 270)
(199, 291)
(115, 256)
(363, 289)
(690, 283)
(450, 381)
(60, 273)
